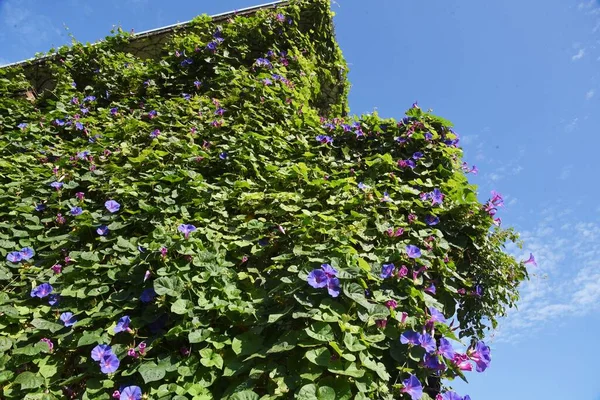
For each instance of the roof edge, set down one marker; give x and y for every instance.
(161, 30)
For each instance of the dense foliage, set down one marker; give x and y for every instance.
(207, 225)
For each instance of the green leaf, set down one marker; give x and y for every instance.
(320, 331)
(5, 344)
(151, 372)
(246, 343)
(180, 306)
(352, 343)
(29, 380)
(210, 358)
(198, 336)
(170, 286)
(244, 395)
(319, 356)
(44, 325)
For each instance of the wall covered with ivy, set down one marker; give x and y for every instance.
(210, 224)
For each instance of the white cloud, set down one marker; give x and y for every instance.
(567, 279)
(579, 55)
(590, 93)
(565, 173)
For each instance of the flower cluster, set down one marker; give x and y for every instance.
(326, 276)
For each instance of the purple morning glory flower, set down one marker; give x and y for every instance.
(317, 278)
(84, 110)
(386, 197)
(155, 133)
(186, 96)
(131, 393)
(531, 260)
(413, 251)
(22, 125)
(267, 81)
(123, 324)
(76, 211)
(478, 291)
(417, 155)
(100, 351)
(141, 249)
(59, 122)
(40, 207)
(114, 110)
(27, 253)
(186, 229)
(109, 363)
(428, 136)
(79, 126)
(42, 290)
(83, 154)
(413, 387)
(263, 62)
(68, 318)
(56, 185)
(14, 256)
(362, 186)
(197, 84)
(147, 295)
(186, 62)
(446, 349)
(450, 395)
(427, 342)
(223, 156)
(432, 361)
(497, 199)
(387, 270)
(152, 114)
(53, 299)
(324, 139)
(329, 270)
(112, 206)
(410, 337)
(219, 111)
(102, 230)
(89, 98)
(333, 287)
(212, 46)
(431, 289)
(436, 196)
(436, 316)
(432, 220)
(481, 355)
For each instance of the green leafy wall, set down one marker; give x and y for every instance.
(245, 139)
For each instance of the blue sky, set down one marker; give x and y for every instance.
(520, 81)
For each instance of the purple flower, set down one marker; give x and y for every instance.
(154, 134)
(79, 126)
(26, 253)
(212, 46)
(223, 156)
(152, 114)
(362, 186)
(478, 291)
(163, 251)
(14, 256)
(387, 270)
(317, 278)
(56, 268)
(432, 361)
(53, 299)
(263, 62)
(114, 110)
(386, 197)
(186, 96)
(450, 395)
(402, 272)
(413, 387)
(197, 84)
(267, 82)
(123, 324)
(22, 125)
(417, 155)
(431, 289)
(324, 139)
(391, 304)
(186, 229)
(531, 260)
(427, 342)
(89, 98)
(147, 295)
(112, 206)
(436, 316)
(83, 154)
(432, 220)
(40, 207)
(413, 251)
(76, 211)
(333, 287)
(68, 318)
(102, 230)
(147, 275)
(219, 111)
(57, 185)
(109, 363)
(329, 270)
(497, 199)
(437, 197)
(131, 393)
(42, 290)
(280, 17)
(410, 337)
(186, 62)
(411, 164)
(428, 136)
(446, 349)
(481, 355)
